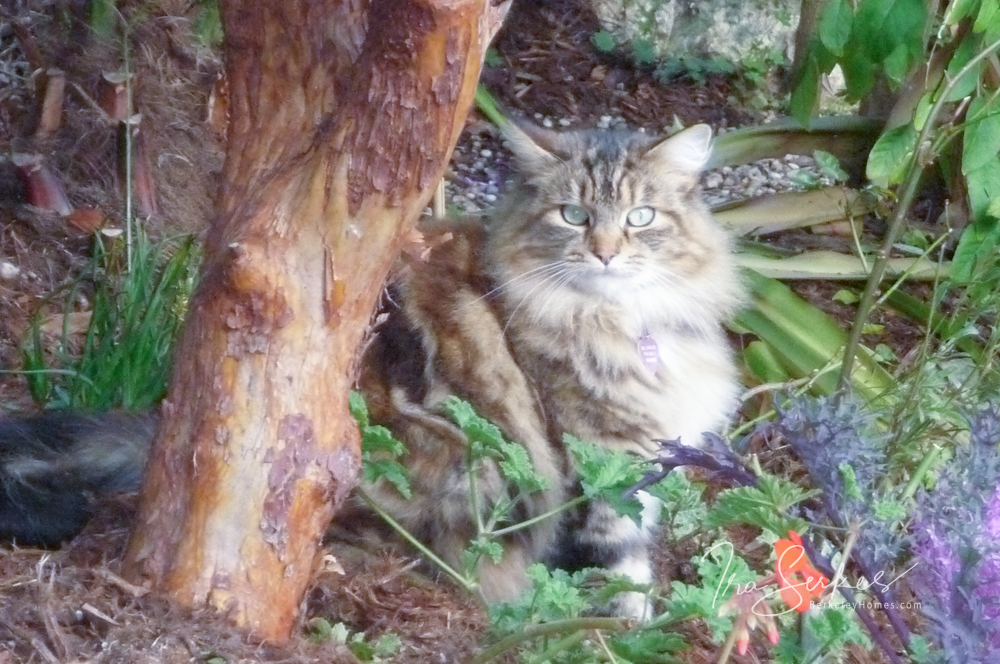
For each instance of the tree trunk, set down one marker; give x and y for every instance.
(809, 12)
(343, 116)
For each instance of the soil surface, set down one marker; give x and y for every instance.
(71, 604)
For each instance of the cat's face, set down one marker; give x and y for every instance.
(614, 215)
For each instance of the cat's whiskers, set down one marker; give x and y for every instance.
(513, 280)
(559, 276)
(554, 288)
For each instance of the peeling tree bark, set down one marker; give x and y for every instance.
(342, 118)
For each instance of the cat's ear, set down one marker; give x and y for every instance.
(687, 150)
(533, 148)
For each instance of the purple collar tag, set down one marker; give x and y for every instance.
(649, 352)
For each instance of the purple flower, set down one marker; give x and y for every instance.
(991, 517)
(988, 573)
(939, 566)
(956, 539)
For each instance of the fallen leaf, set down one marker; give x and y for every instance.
(86, 220)
(76, 322)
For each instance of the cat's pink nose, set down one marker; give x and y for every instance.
(605, 255)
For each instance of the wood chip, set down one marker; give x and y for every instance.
(50, 117)
(43, 651)
(97, 613)
(111, 577)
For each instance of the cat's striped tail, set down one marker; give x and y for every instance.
(52, 465)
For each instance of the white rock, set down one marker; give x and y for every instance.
(713, 181)
(8, 271)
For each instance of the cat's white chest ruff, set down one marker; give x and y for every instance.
(684, 384)
(698, 390)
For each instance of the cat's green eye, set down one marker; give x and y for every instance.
(640, 216)
(574, 215)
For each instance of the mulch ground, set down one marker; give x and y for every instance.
(72, 604)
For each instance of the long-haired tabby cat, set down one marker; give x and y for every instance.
(589, 303)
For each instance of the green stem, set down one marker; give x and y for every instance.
(803, 385)
(129, 114)
(922, 156)
(460, 579)
(727, 647)
(919, 311)
(562, 644)
(747, 426)
(541, 517)
(554, 627)
(921, 472)
(952, 132)
(905, 275)
(605, 648)
(487, 105)
(60, 372)
(472, 471)
(857, 243)
(670, 619)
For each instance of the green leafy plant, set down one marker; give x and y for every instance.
(135, 317)
(606, 474)
(207, 24)
(695, 69)
(554, 620)
(766, 506)
(604, 41)
(381, 650)
(380, 450)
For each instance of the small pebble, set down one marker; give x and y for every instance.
(713, 181)
(8, 271)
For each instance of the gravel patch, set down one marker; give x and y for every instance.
(794, 172)
(481, 165)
